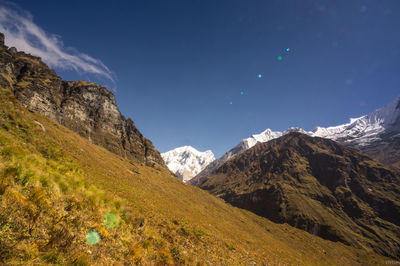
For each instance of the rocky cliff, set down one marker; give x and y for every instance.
(86, 108)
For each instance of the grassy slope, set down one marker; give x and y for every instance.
(56, 186)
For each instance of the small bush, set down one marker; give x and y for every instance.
(230, 247)
(6, 153)
(117, 205)
(176, 255)
(12, 171)
(44, 181)
(63, 187)
(146, 245)
(25, 178)
(185, 231)
(199, 233)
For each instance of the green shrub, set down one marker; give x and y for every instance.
(13, 172)
(185, 231)
(44, 181)
(230, 247)
(63, 187)
(117, 205)
(199, 233)
(25, 178)
(176, 255)
(146, 245)
(6, 153)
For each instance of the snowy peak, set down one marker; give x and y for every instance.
(186, 161)
(364, 129)
(264, 136)
(267, 135)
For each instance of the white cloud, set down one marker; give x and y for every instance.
(21, 32)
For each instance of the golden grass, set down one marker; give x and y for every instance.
(8, 78)
(23, 84)
(161, 219)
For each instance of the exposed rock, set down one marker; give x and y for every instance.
(13, 50)
(87, 108)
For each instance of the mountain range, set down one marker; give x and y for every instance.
(376, 134)
(80, 185)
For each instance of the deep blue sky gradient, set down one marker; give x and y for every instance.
(179, 64)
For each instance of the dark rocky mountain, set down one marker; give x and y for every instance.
(86, 108)
(317, 185)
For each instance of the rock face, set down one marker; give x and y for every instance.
(186, 161)
(86, 108)
(317, 185)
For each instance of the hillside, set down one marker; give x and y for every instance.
(57, 187)
(317, 185)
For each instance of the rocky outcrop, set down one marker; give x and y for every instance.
(317, 185)
(87, 108)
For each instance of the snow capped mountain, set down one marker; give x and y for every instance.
(267, 135)
(186, 161)
(264, 136)
(377, 134)
(361, 131)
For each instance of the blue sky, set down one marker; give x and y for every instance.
(186, 72)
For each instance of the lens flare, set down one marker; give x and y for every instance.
(92, 237)
(110, 220)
